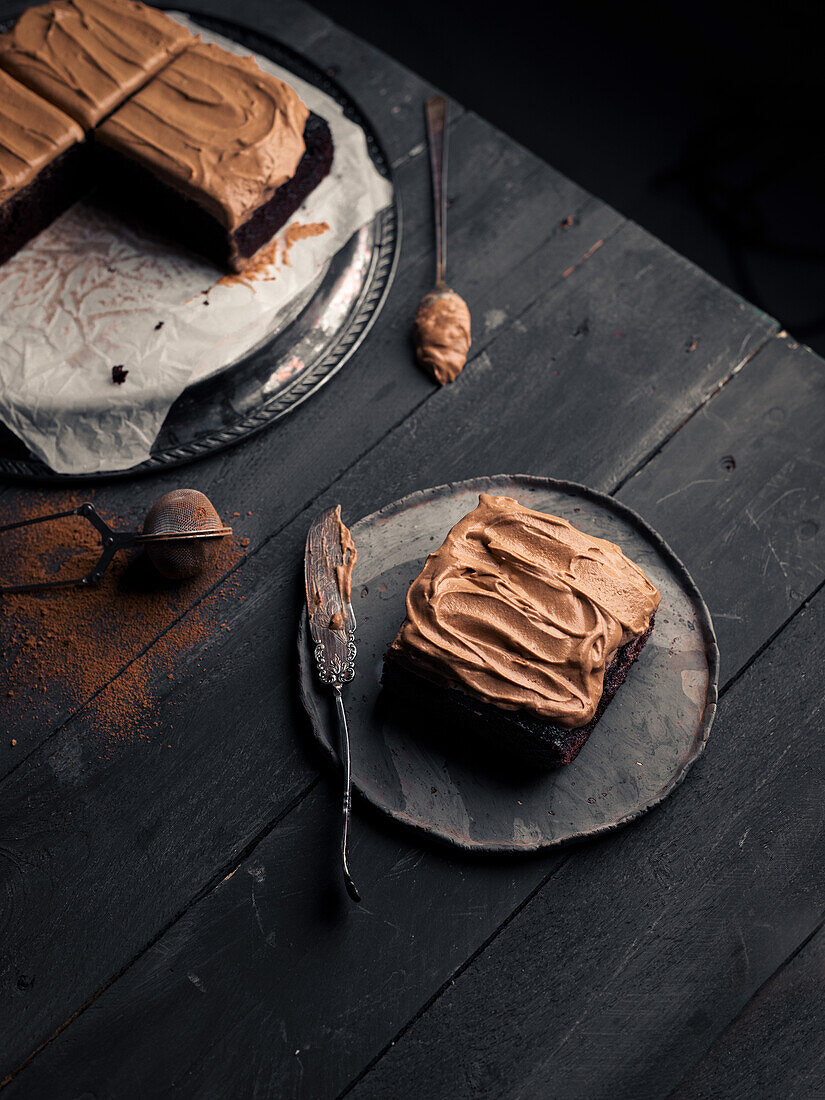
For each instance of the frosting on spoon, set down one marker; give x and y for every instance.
(441, 330)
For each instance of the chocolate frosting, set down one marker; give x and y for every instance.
(87, 56)
(525, 611)
(215, 127)
(32, 134)
(350, 554)
(441, 331)
(342, 570)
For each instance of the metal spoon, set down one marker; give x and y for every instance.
(441, 328)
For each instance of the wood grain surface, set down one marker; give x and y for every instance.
(171, 918)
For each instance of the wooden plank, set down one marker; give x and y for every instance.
(339, 984)
(772, 505)
(775, 1047)
(276, 473)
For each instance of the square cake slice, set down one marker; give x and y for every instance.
(520, 629)
(88, 56)
(43, 167)
(218, 151)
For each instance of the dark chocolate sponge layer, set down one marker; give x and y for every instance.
(53, 190)
(517, 732)
(137, 194)
(313, 166)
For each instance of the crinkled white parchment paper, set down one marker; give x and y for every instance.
(87, 294)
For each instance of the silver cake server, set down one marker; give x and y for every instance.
(328, 563)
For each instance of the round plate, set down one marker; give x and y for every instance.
(638, 753)
(240, 401)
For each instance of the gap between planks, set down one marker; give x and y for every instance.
(720, 385)
(756, 993)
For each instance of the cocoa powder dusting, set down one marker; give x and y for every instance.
(62, 646)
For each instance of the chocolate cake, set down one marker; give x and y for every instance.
(88, 56)
(216, 150)
(520, 629)
(43, 167)
(189, 138)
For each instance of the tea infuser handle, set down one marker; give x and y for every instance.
(111, 540)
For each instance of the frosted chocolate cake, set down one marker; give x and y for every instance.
(42, 164)
(88, 56)
(520, 630)
(191, 139)
(217, 152)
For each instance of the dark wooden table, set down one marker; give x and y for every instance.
(169, 919)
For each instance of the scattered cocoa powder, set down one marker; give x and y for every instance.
(61, 646)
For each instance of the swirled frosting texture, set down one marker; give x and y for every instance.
(441, 331)
(32, 134)
(87, 56)
(217, 128)
(525, 611)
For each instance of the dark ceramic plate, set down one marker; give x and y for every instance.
(247, 396)
(639, 752)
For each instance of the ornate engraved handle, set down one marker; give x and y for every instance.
(339, 670)
(335, 672)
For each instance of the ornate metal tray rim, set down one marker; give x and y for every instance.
(680, 571)
(377, 283)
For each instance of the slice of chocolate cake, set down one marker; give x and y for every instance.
(520, 629)
(43, 167)
(217, 152)
(88, 56)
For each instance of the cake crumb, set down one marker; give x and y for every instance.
(119, 374)
(159, 325)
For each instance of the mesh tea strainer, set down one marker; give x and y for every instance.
(180, 533)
